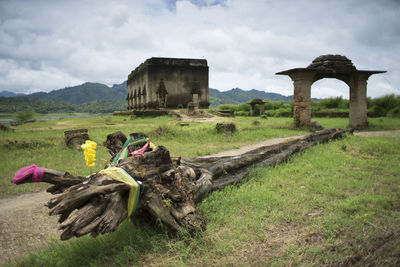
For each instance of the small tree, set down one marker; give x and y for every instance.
(23, 116)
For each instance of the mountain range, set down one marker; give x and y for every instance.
(100, 98)
(10, 94)
(88, 92)
(237, 96)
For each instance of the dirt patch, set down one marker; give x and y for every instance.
(25, 225)
(206, 118)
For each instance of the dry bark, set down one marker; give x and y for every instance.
(169, 189)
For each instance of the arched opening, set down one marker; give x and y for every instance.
(329, 98)
(328, 88)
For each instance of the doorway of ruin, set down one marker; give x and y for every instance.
(329, 95)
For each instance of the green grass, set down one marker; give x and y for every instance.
(334, 203)
(375, 124)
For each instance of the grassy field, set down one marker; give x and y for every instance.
(337, 203)
(42, 142)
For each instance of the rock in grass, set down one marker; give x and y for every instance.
(225, 128)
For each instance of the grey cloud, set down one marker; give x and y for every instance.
(52, 44)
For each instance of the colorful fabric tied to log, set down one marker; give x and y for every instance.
(121, 175)
(25, 172)
(123, 153)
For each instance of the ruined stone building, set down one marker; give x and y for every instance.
(168, 83)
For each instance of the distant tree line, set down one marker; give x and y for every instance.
(388, 105)
(17, 104)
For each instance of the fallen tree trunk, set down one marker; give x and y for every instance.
(169, 188)
(216, 172)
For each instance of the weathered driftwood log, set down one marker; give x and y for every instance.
(216, 172)
(169, 189)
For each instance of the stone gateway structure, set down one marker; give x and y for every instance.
(168, 83)
(253, 103)
(330, 66)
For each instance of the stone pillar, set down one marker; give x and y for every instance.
(302, 98)
(251, 109)
(261, 109)
(134, 101)
(358, 101)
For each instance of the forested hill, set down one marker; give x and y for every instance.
(86, 92)
(237, 96)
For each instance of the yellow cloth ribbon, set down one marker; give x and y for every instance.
(121, 175)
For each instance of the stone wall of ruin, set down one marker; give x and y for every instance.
(181, 78)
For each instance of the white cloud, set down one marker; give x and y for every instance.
(48, 44)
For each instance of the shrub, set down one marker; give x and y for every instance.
(24, 115)
(244, 107)
(395, 113)
(242, 113)
(382, 105)
(330, 103)
(273, 105)
(282, 112)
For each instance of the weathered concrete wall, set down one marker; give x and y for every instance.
(182, 78)
(137, 83)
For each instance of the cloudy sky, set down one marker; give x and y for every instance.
(52, 44)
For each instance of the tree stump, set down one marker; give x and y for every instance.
(4, 127)
(75, 138)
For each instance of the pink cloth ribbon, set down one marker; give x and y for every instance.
(139, 152)
(25, 172)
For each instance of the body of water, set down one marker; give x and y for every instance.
(7, 121)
